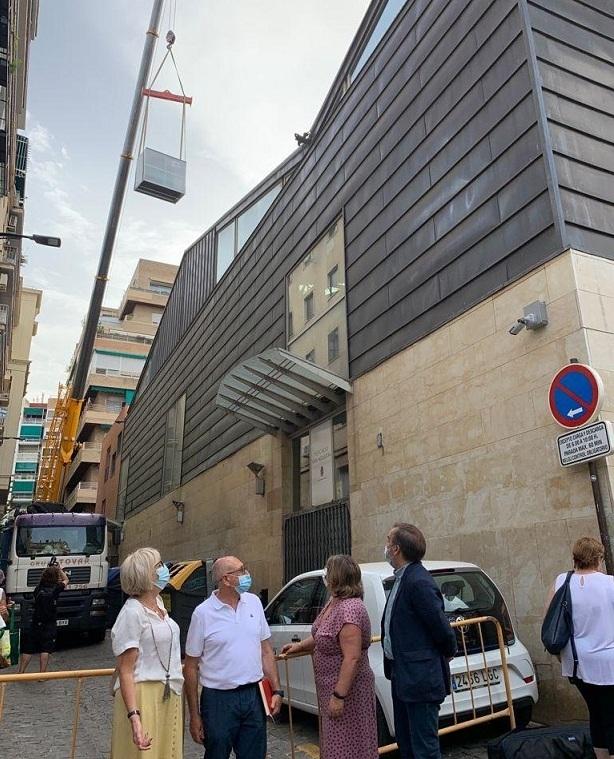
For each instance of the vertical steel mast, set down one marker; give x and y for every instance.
(70, 409)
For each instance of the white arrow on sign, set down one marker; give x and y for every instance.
(574, 412)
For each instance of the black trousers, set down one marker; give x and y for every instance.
(600, 702)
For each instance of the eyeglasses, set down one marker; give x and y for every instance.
(242, 570)
(159, 564)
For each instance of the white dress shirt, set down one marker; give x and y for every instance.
(155, 638)
(228, 642)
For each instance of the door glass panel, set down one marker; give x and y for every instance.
(296, 606)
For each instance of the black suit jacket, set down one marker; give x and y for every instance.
(422, 639)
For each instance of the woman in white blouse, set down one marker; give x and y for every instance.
(147, 715)
(592, 601)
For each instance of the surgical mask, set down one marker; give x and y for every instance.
(163, 575)
(245, 583)
(387, 554)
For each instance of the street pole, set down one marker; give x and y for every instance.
(602, 523)
(117, 200)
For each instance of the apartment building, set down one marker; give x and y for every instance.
(350, 363)
(124, 337)
(34, 424)
(17, 29)
(24, 329)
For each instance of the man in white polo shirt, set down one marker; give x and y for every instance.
(228, 652)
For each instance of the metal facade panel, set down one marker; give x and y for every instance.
(574, 47)
(433, 157)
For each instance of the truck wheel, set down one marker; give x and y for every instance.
(383, 733)
(97, 636)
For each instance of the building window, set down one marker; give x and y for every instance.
(389, 13)
(104, 505)
(121, 495)
(333, 282)
(173, 446)
(107, 463)
(333, 345)
(112, 468)
(311, 356)
(162, 288)
(315, 301)
(233, 236)
(308, 307)
(119, 442)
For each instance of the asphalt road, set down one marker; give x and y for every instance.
(37, 718)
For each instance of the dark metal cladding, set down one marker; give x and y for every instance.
(444, 156)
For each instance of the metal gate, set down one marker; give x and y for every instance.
(310, 537)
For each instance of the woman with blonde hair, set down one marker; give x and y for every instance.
(147, 714)
(592, 607)
(340, 639)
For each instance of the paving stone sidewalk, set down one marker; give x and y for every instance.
(38, 717)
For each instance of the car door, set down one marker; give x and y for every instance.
(290, 617)
(320, 598)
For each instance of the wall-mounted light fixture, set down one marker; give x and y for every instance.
(180, 507)
(535, 317)
(258, 471)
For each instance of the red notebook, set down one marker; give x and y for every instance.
(266, 693)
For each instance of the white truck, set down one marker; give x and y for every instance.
(78, 543)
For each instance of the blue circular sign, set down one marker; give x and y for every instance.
(575, 395)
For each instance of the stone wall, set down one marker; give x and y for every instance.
(223, 515)
(470, 446)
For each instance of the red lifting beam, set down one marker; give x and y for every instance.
(167, 95)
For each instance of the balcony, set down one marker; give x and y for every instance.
(106, 333)
(97, 414)
(82, 497)
(134, 295)
(88, 453)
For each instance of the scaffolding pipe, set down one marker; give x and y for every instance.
(119, 191)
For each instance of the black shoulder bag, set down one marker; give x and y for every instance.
(557, 627)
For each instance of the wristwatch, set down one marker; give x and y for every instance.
(278, 693)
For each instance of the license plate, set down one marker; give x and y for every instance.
(479, 678)
(62, 623)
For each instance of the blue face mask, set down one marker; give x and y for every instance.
(245, 583)
(163, 576)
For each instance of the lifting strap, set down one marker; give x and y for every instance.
(149, 92)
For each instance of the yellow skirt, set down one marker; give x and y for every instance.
(162, 720)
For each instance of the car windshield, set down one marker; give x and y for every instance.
(60, 541)
(462, 590)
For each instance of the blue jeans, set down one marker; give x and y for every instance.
(233, 720)
(415, 727)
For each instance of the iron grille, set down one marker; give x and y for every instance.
(76, 575)
(310, 537)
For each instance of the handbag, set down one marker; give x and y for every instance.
(557, 627)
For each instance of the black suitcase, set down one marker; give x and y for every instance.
(572, 742)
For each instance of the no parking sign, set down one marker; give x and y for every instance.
(575, 395)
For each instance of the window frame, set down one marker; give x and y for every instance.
(336, 342)
(172, 463)
(308, 299)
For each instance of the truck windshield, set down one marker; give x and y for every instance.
(60, 541)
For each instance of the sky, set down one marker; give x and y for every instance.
(258, 71)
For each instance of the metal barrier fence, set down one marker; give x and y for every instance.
(493, 713)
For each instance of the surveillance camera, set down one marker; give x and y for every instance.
(517, 327)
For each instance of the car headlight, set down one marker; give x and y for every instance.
(99, 601)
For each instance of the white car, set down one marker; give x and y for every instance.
(467, 592)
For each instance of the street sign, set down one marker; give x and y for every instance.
(592, 442)
(575, 395)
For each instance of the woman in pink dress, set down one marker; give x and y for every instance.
(340, 639)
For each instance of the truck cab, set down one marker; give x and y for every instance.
(78, 543)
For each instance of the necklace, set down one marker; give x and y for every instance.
(167, 669)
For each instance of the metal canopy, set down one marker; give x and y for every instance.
(279, 391)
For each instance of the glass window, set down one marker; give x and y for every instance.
(308, 307)
(173, 446)
(123, 482)
(225, 249)
(113, 459)
(60, 540)
(333, 345)
(249, 220)
(388, 15)
(119, 442)
(333, 282)
(107, 462)
(163, 288)
(297, 605)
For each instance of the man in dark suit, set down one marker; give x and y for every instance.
(418, 643)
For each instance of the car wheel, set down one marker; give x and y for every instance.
(383, 734)
(523, 715)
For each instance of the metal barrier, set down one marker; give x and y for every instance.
(493, 714)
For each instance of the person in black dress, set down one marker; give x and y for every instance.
(39, 637)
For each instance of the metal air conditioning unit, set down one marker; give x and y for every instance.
(160, 175)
